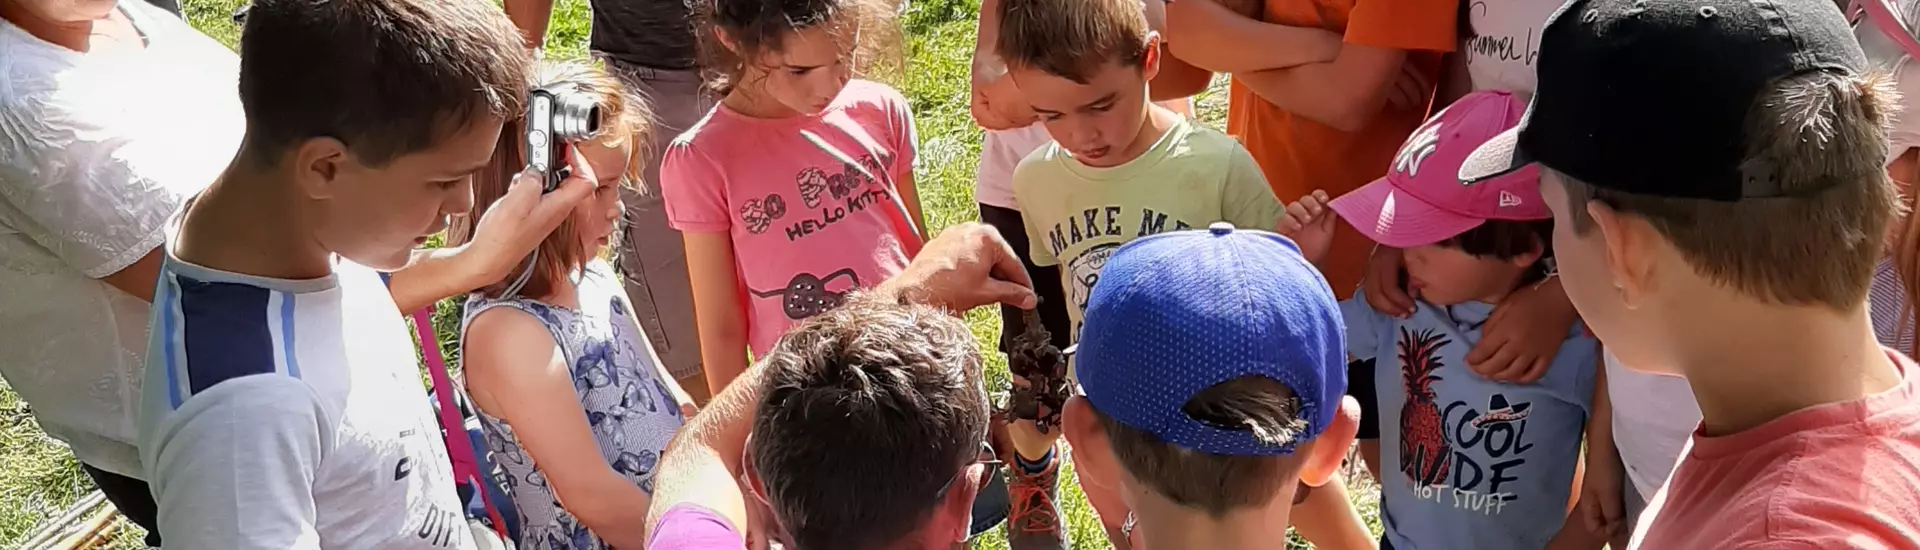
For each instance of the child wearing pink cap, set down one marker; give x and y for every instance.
(1470, 462)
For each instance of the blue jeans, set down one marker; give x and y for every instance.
(990, 506)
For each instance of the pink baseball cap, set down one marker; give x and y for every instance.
(1422, 200)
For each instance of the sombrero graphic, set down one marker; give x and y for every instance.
(1498, 410)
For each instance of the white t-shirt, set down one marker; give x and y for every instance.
(1505, 43)
(285, 414)
(96, 151)
(1653, 417)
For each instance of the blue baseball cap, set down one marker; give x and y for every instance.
(1177, 313)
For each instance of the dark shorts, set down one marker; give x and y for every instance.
(132, 497)
(1046, 281)
(1360, 378)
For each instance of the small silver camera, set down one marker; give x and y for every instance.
(557, 118)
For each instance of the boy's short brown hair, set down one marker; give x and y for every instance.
(1817, 130)
(1073, 39)
(868, 413)
(1218, 484)
(385, 77)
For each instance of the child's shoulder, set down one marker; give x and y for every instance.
(867, 93)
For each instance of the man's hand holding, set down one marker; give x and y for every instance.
(966, 266)
(996, 102)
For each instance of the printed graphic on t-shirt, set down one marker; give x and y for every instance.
(807, 294)
(1453, 454)
(1507, 43)
(851, 188)
(1108, 227)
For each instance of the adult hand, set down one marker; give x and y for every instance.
(521, 219)
(1409, 88)
(996, 103)
(966, 266)
(1524, 334)
(1383, 287)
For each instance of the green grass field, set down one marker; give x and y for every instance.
(38, 478)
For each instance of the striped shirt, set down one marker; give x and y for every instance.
(290, 414)
(1886, 299)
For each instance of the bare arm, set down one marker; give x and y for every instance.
(910, 196)
(1455, 82)
(718, 312)
(139, 279)
(433, 275)
(1213, 37)
(515, 372)
(530, 17)
(1345, 93)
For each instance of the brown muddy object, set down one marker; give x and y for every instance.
(1039, 371)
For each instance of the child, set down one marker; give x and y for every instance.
(282, 404)
(1210, 448)
(1013, 132)
(798, 187)
(1119, 168)
(577, 406)
(1471, 463)
(1735, 247)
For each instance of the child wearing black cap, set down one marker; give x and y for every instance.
(1715, 174)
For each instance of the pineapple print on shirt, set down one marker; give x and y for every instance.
(1452, 452)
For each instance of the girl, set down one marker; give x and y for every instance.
(575, 405)
(798, 187)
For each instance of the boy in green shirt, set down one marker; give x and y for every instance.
(1119, 168)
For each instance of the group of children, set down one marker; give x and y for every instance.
(1445, 238)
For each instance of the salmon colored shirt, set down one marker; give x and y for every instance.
(1299, 155)
(1842, 475)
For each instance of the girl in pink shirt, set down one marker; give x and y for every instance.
(798, 187)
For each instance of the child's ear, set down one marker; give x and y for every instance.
(318, 163)
(1150, 66)
(1325, 453)
(1629, 247)
(1093, 453)
(726, 40)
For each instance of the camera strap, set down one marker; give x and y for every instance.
(466, 469)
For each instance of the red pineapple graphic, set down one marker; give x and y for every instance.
(1425, 455)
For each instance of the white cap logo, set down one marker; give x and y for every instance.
(1417, 149)
(1507, 199)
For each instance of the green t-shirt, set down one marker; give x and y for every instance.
(1077, 215)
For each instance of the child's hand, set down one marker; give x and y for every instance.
(1601, 506)
(996, 102)
(1386, 291)
(1310, 224)
(1524, 334)
(522, 219)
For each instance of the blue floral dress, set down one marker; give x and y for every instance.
(632, 412)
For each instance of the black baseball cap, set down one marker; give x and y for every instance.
(1651, 96)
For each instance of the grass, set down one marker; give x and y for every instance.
(38, 478)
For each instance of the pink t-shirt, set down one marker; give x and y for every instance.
(1842, 475)
(807, 228)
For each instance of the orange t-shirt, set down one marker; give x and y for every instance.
(1841, 475)
(1299, 155)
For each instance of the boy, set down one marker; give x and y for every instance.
(1719, 203)
(1472, 463)
(1333, 123)
(1119, 167)
(282, 406)
(1214, 379)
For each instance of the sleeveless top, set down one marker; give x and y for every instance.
(632, 412)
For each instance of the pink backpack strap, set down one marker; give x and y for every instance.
(1888, 22)
(459, 447)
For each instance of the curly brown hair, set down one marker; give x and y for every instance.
(759, 27)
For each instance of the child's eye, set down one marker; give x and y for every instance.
(1103, 108)
(448, 185)
(799, 72)
(1049, 117)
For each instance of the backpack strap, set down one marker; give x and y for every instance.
(459, 448)
(1889, 23)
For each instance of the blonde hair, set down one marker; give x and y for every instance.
(1823, 136)
(625, 121)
